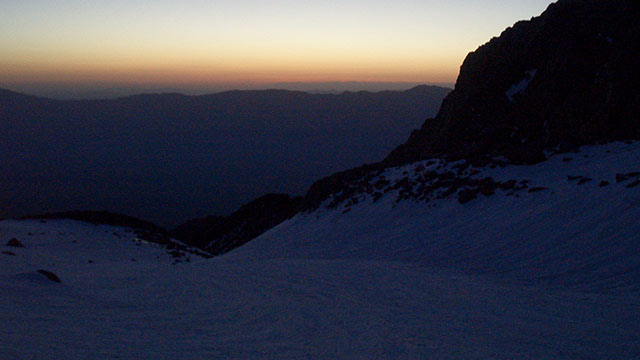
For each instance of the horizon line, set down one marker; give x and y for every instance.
(101, 91)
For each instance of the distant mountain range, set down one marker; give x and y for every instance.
(110, 91)
(170, 157)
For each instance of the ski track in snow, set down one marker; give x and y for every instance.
(546, 275)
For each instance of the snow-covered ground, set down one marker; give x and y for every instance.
(550, 274)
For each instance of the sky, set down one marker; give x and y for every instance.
(203, 45)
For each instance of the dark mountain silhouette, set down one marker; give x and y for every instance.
(566, 78)
(569, 77)
(169, 157)
(220, 234)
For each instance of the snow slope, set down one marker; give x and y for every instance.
(550, 274)
(569, 234)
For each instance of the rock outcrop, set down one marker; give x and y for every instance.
(13, 242)
(49, 275)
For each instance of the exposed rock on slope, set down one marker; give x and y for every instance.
(13, 242)
(49, 275)
(568, 77)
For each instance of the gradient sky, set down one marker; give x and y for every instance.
(203, 43)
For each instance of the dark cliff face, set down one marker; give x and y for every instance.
(218, 234)
(566, 78)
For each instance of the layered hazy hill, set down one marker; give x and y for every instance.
(169, 158)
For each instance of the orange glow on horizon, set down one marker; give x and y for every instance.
(245, 42)
(246, 72)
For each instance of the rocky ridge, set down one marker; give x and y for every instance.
(548, 85)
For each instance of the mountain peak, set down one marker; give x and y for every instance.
(566, 78)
